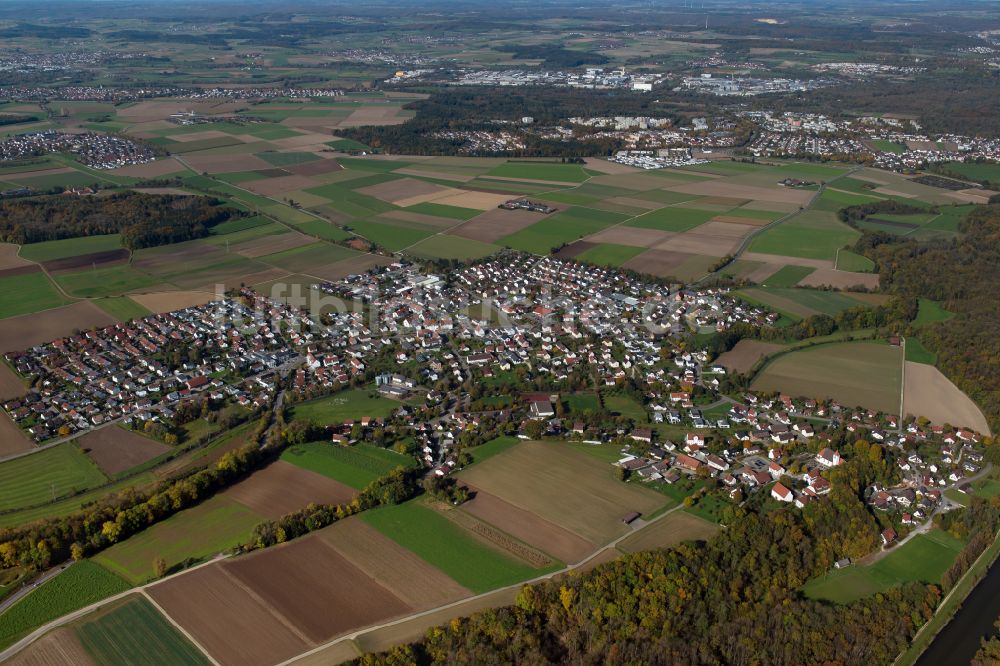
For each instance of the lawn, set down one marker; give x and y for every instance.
(70, 247)
(443, 246)
(445, 545)
(355, 466)
(492, 448)
(136, 634)
(787, 276)
(27, 293)
(924, 559)
(811, 235)
(887, 146)
(545, 171)
(200, 532)
(609, 254)
(563, 227)
(82, 584)
(627, 407)
(347, 405)
(43, 476)
(852, 373)
(112, 281)
(122, 308)
(582, 403)
(673, 218)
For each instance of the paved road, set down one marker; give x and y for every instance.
(28, 587)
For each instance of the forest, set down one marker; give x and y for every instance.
(143, 220)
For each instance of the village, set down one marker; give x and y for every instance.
(98, 151)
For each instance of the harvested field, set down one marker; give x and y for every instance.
(56, 648)
(781, 260)
(495, 538)
(259, 247)
(9, 258)
(12, 438)
(373, 115)
(929, 393)
(553, 482)
(440, 175)
(116, 449)
(495, 224)
(831, 277)
(197, 136)
(282, 487)
(18, 333)
(773, 206)
(11, 385)
(574, 250)
(164, 190)
(606, 166)
(150, 169)
(225, 163)
(745, 192)
(14, 177)
(471, 199)
(669, 531)
(657, 262)
(353, 266)
(317, 589)
(745, 221)
(634, 236)
(168, 301)
(410, 578)
(20, 270)
(635, 203)
(528, 527)
(316, 168)
(746, 352)
(404, 189)
(696, 243)
(718, 229)
(102, 259)
(233, 624)
(271, 187)
(852, 373)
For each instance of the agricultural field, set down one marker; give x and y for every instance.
(135, 634)
(28, 291)
(924, 559)
(200, 532)
(448, 547)
(554, 481)
(669, 531)
(46, 475)
(115, 449)
(122, 308)
(745, 354)
(82, 584)
(809, 235)
(799, 303)
(852, 373)
(355, 466)
(930, 394)
(282, 487)
(70, 247)
(349, 405)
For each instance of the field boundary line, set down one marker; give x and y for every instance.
(97, 605)
(179, 628)
(353, 636)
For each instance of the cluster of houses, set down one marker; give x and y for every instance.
(99, 151)
(125, 371)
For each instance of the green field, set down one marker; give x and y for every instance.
(930, 311)
(112, 281)
(787, 276)
(122, 308)
(443, 246)
(609, 254)
(448, 547)
(355, 466)
(673, 218)
(978, 172)
(924, 558)
(27, 293)
(492, 448)
(287, 159)
(392, 237)
(211, 527)
(799, 302)
(70, 247)
(347, 405)
(810, 235)
(856, 263)
(916, 352)
(40, 477)
(136, 634)
(545, 171)
(852, 373)
(887, 146)
(82, 584)
(563, 227)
